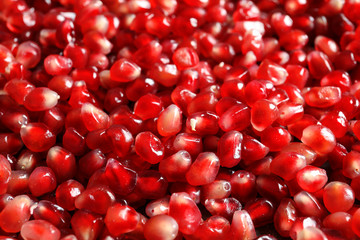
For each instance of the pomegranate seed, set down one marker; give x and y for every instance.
(93, 117)
(39, 229)
(96, 199)
(18, 89)
(236, 117)
(338, 197)
(121, 180)
(143, 110)
(5, 174)
(62, 162)
(224, 207)
(185, 58)
(124, 70)
(311, 179)
(243, 186)
(275, 138)
(185, 212)
(37, 137)
(202, 123)
(218, 189)
(161, 227)
(42, 180)
(319, 138)
(86, 225)
(189, 142)
(169, 121)
(339, 221)
(15, 214)
(121, 219)
(272, 72)
(149, 147)
(319, 64)
(54, 214)
(242, 225)
(57, 65)
(308, 205)
(41, 99)
(208, 165)
(285, 216)
(176, 166)
(294, 160)
(263, 114)
(323, 97)
(230, 155)
(272, 187)
(151, 184)
(158, 207)
(311, 233)
(29, 54)
(67, 192)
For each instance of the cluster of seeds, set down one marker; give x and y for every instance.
(179, 119)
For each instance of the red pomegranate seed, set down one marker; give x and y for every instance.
(67, 192)
(18, 89)
(275, 138)
(319, 138)
(93, 117)
(176, 166)
(37, 137)
(5, 174)
(192, 143)
(121, 219)
(54, 214)
(261, 211)
(120, 179)
(338, 197)
(287, 164)
(236, 117)
(224, 207)
(39, 229)
(308, 205)
(230, 155)
(158, 207)
(218, 189)
(41, 99)
(285, 216)
(29, 54)
(243, 186)
(57, 65)
(62, 162)
(149, 147)
(42, 180)
(15, 214)
(302, 223)
(86, 225)
(161, 227)
(263, 114)
(242, 226)
(170, 121)
(319, 64)
(340, 221)
(148, 106)
(124, 70)
(185, 212)
(323, 97)
(208, 165)
(151, 184)
(272, 187)
(95, 199)
(185, 58)
(311, 179)
(202, 123)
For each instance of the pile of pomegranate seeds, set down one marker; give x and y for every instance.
(179, 119)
